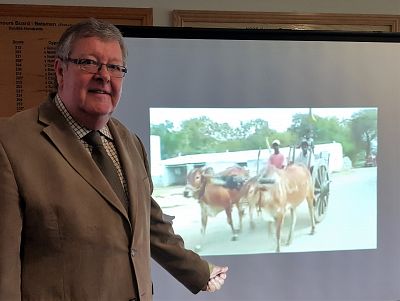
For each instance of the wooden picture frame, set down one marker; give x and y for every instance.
(119, 15)
(29, 35)
(280, 20)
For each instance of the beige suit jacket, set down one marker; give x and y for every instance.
(64, 235)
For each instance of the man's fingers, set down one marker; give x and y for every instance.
(216, 283)
(218, 270)
(217, 278)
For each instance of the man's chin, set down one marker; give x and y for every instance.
(100, 114)
(100, 109)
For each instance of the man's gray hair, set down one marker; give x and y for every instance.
(89, 28)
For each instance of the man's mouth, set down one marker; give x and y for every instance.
(99, 91)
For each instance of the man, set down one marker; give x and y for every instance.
(306, 156)
(277, 159)
(67, 231)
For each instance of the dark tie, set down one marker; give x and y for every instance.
(106, 165)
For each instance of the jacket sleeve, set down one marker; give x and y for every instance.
(10, 231)
(169, 251)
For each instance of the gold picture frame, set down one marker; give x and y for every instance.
(119, 15)
(281, 20)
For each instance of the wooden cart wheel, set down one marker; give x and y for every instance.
(321, 192)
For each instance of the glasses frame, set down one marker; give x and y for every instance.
(81, 62)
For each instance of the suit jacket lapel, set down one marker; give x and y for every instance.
(66, 142)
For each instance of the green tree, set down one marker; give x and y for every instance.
(170, 140)
(324, 130)
(364, 125)
(254, 134)
(198, 136)
(302, 125)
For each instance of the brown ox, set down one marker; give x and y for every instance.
(280, 190)
(217, 192)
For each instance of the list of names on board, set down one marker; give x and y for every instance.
(27, 58)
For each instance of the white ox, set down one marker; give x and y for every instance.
(278, 191)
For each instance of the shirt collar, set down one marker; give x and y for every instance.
(79, 130)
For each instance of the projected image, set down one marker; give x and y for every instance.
(267, 180)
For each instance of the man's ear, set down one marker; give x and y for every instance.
(59, 68)
(59, 65)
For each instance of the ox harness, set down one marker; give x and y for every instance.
(230, 182)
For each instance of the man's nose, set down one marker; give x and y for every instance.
(104, 73)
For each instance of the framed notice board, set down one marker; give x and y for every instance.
(283, 20)
(28, 37)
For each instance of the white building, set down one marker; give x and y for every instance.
(173, 171)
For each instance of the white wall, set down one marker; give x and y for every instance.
(162, 9)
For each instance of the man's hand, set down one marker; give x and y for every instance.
(217, 278)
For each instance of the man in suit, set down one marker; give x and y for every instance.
(66, 233)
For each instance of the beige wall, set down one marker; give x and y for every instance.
(163, 8)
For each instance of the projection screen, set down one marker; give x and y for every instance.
(211, 100)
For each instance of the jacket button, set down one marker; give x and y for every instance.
(133, 252)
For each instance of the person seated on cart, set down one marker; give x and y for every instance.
(306, 156)
(277, 158)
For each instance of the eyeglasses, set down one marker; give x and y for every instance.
(92, 66)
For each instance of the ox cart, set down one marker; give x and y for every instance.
(276, 191)
(318, 165)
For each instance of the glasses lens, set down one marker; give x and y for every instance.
(89, 66)
(116, 70)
